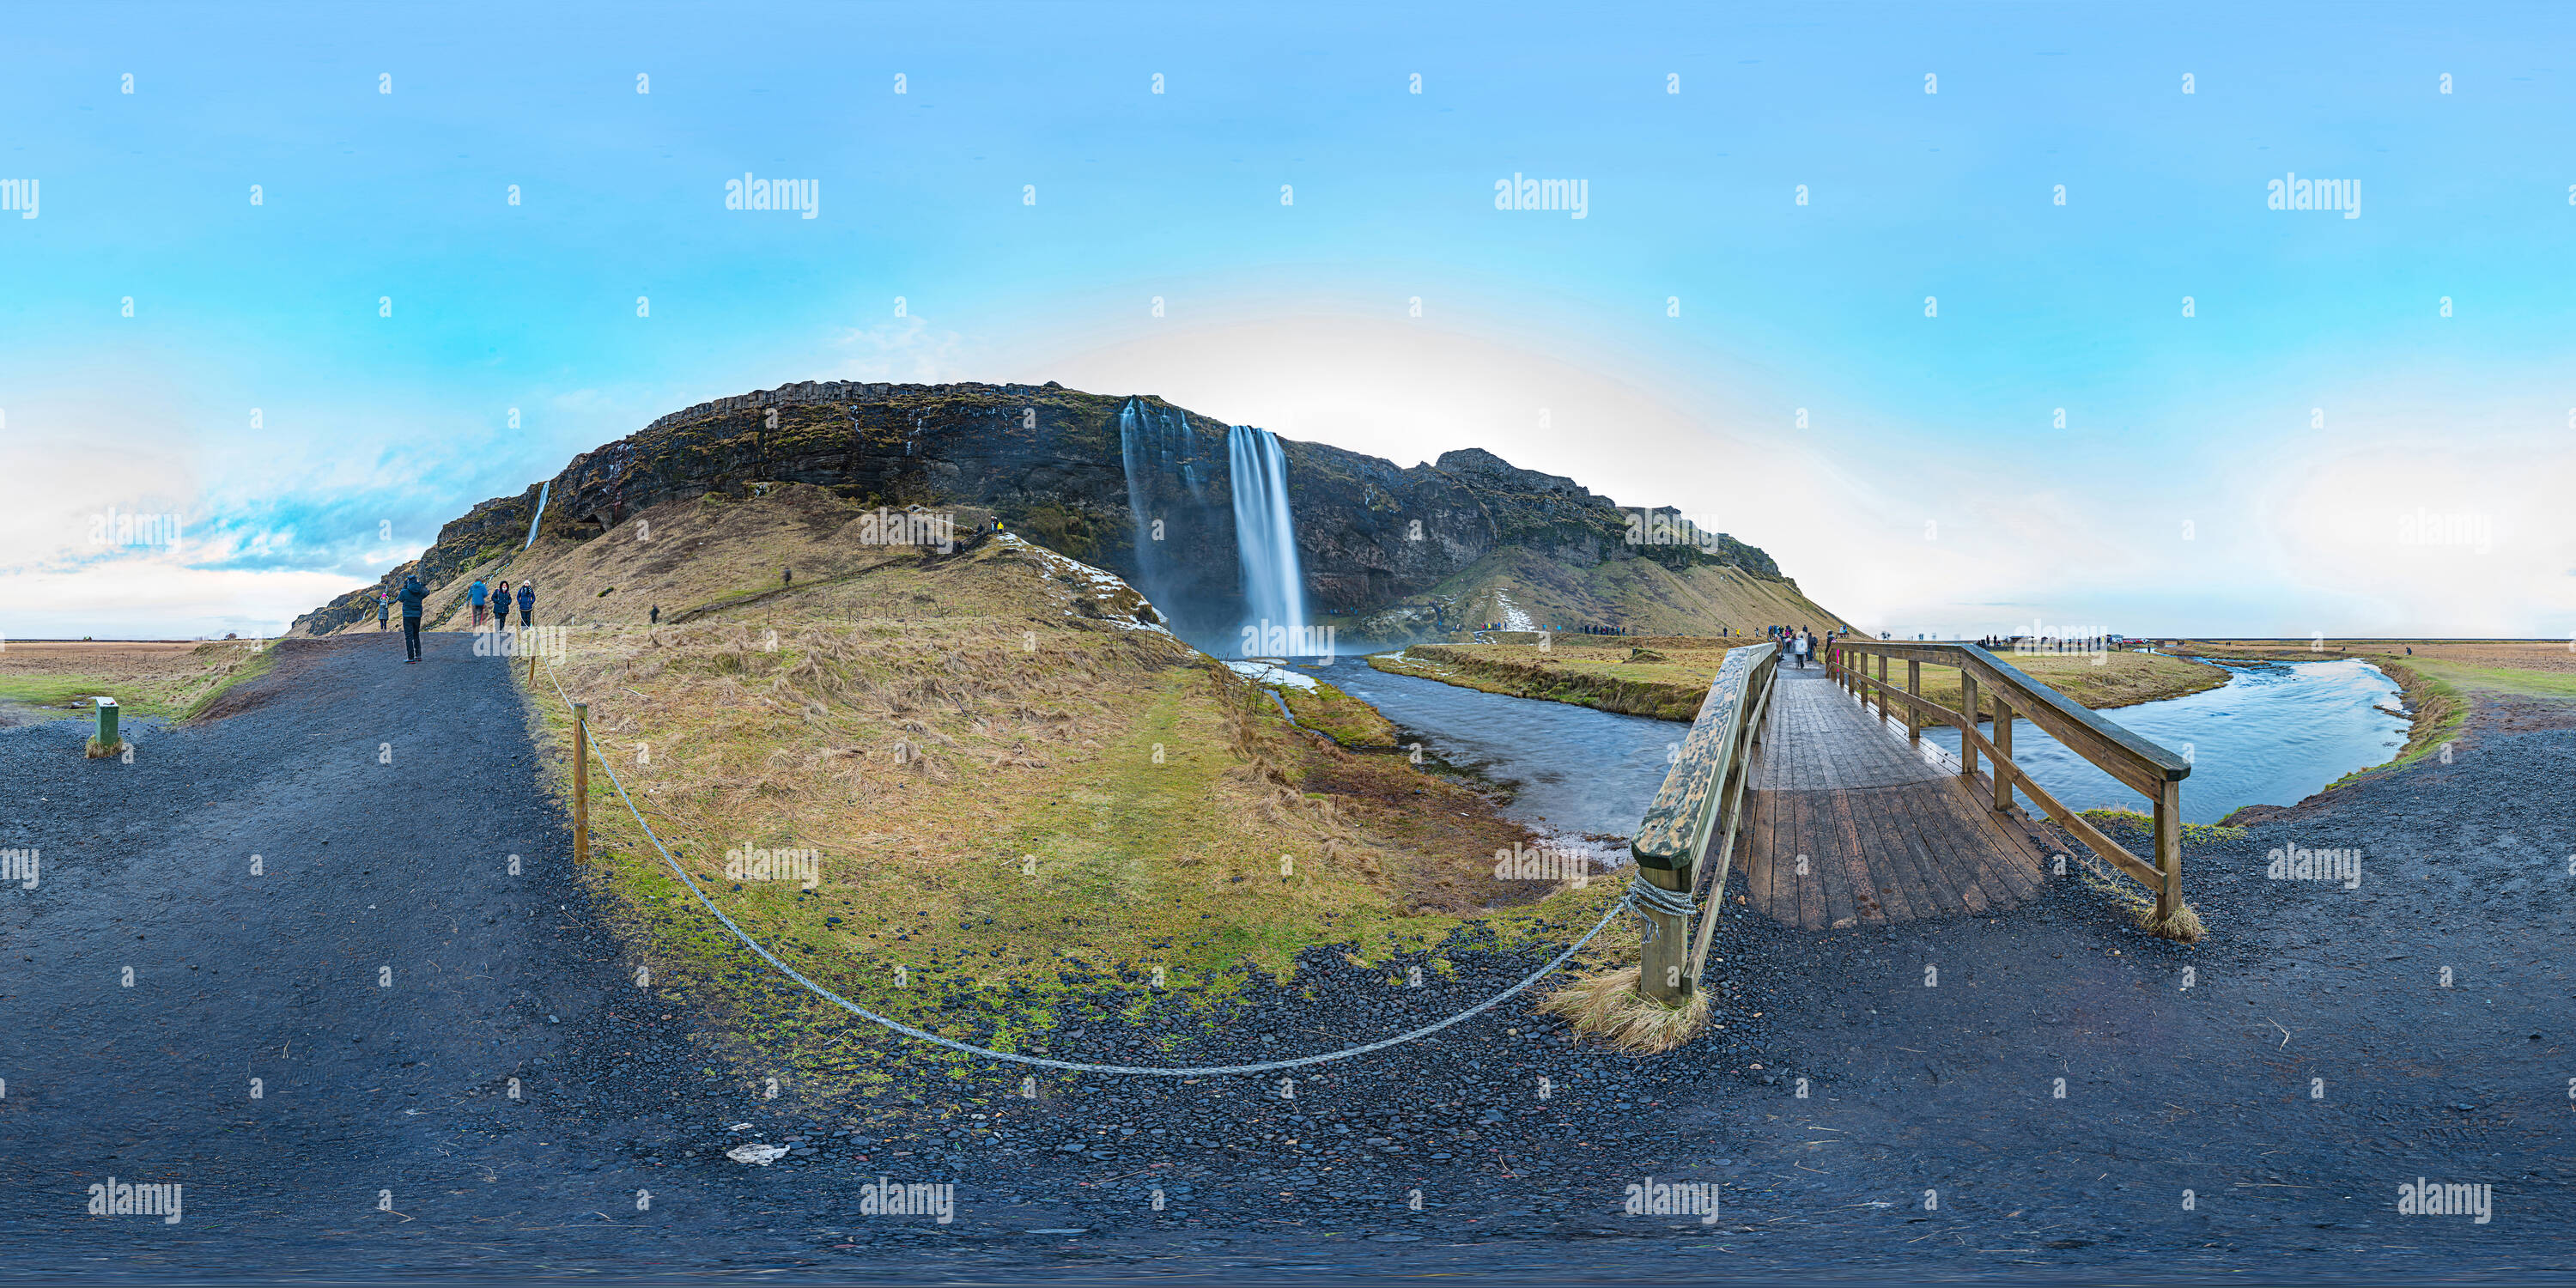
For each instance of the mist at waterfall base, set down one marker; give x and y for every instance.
(1182, 528)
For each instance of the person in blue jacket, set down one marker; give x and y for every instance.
(478, 593)
(527, 600)
(412, 593)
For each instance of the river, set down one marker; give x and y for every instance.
(2272, 735)
(1572, 771)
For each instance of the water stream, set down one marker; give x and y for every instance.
(2274, 734)
(1572, 771)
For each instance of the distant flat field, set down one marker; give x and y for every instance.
(2528, 668)
(41, 679)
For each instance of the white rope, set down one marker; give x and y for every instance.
(1195, 1071)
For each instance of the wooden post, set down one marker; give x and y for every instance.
(1968, 730)
(580, 781)
(1882, 693)
(2169, 850)
(1663, 962)
(532, 671)
(2003, 754)
(1913, 685)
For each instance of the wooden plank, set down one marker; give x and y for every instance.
(1971, 847)
(1860, 885)
(1949, 845)
(1892, 861)
(2007, 856)
(1811, 883)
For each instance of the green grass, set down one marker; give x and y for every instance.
(2497, 679)
(256, 664)
(64, 695)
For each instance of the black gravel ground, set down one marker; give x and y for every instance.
(1929, 1141)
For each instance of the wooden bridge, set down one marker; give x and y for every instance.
(1840, 814)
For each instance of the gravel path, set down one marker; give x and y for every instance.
(369, 1088)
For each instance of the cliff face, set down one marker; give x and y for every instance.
(1068, 469)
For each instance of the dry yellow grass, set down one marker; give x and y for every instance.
(54, 679)
(1607, 1006)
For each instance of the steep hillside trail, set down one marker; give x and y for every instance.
(386, 976)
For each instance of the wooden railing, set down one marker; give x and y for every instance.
(2135, 762)
(1702, 799)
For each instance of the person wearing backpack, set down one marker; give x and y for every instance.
(477, 593)
(527, 601)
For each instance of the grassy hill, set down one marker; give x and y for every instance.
(1009, 778)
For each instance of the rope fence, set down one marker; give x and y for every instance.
(1626, 902)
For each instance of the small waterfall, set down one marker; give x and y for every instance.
(1265, 538)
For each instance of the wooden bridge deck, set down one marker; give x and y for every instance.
(1885, 830)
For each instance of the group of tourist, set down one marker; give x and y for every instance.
(482, 597)
(1799, 644)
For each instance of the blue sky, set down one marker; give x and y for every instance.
(2257, 467)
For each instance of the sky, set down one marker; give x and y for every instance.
(1976, 317)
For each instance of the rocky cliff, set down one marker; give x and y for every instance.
(1142, 487)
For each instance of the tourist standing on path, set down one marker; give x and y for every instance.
(527, 601)
(412, 593)
(478, 592)
(501, 607)
(384, 605)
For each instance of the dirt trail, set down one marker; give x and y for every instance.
(382, 979)
(385, 802)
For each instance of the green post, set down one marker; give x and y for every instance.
(107, 739)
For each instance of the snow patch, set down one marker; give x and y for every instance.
(1265, 673)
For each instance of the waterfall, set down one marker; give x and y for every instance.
(1265, 538)
(1136, 452)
